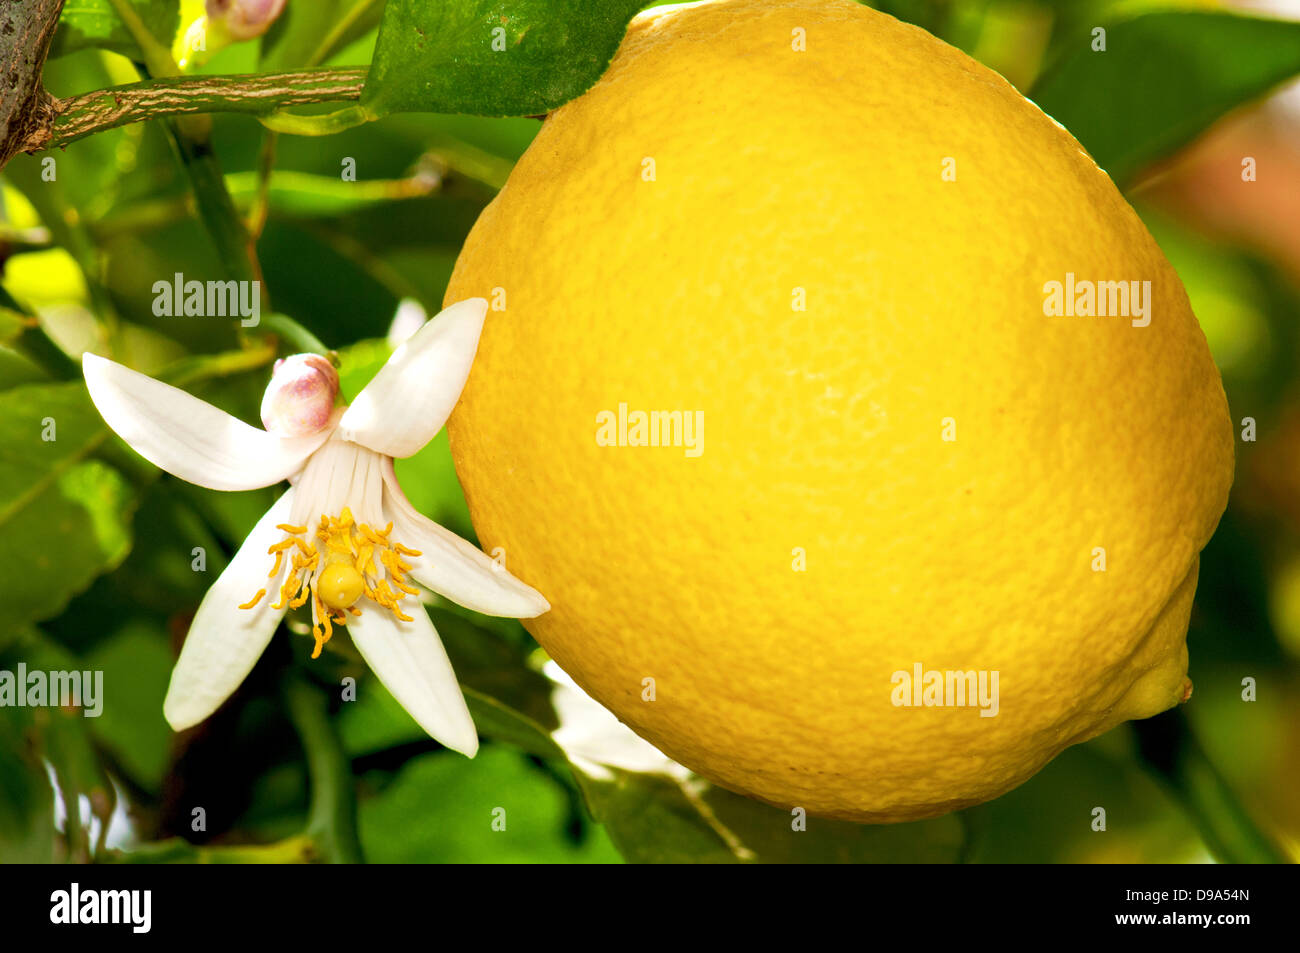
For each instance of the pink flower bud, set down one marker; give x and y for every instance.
(300, 397)
(245, 19)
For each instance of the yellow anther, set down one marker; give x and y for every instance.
(323, 636)
(395, 564)
(359, 561)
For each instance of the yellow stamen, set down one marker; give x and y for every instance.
(322, 637)
(336, 564)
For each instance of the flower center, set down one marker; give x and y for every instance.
(344, 562)
(339, 585)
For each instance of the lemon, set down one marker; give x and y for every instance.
(822, 246)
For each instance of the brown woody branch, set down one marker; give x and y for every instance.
(32, 120)
(26, 110)
(256, 93)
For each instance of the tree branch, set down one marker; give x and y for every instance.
(80, 116)
(26, 109)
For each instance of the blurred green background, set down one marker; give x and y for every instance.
(96, 546)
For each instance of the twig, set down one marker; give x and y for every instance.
(259, 94)
(333, 821)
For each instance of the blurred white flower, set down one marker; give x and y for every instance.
(595, 740)
(409, 318)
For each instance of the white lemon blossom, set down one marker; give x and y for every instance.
(595, 740)
(343, 538)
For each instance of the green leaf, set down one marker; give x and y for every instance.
(136, 662)
(12, 323)
(94, 24)
(495, 809)
(656, 819)
(62, 538)
(1162, 80)
(502, 723)
(1049, 819)
(439, 55)
(63, 520)
(15, 368)
(489, 665)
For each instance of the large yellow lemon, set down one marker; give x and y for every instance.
(915, 521)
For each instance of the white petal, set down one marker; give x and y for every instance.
(409, 659)
(225, 641)
(411, 397)
(455, 567)
(188, 437)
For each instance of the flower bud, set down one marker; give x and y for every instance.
(244, 19)
(300, 397)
